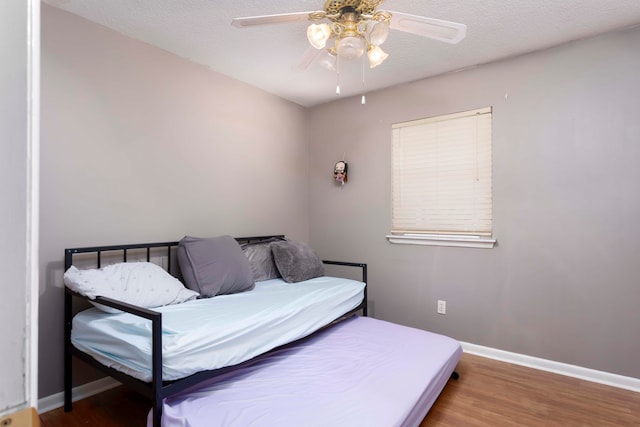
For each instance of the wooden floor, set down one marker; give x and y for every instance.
(492, 393)
(488, 393)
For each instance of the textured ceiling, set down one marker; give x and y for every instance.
(266, 56)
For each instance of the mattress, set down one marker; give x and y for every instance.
(360, 372)
(217, 332)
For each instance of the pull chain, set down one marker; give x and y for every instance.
(338, 75)
(363, 101)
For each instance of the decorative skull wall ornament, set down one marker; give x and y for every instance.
(340, 172)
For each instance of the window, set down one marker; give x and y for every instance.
(441, 180)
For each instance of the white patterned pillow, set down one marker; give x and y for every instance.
(143, 284)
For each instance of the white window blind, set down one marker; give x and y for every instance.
(442, 175)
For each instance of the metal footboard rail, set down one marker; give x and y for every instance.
(363, 266)
(153, 389)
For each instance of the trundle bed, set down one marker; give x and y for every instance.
(362, 372)
(191, 349)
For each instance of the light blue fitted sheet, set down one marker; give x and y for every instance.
(216, 332)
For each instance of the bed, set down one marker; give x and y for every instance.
(160, 352)
(361, 372)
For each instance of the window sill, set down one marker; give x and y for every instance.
(439, 240)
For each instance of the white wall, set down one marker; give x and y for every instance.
(139, 145)
(562, 283)
(18, 48)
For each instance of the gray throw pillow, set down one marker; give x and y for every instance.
(261, 260)
(296, 261)
(214, 266)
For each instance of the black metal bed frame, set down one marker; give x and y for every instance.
(157, 389)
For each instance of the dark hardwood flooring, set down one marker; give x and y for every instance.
(488, 393)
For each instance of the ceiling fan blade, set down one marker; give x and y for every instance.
(437, 29)
(250, 21)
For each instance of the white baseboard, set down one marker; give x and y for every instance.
(55, 401)
(614, 380)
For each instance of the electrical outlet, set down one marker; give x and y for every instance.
(442, 307)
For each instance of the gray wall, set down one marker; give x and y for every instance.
(562, 283)
(13, 193)
(139, 145)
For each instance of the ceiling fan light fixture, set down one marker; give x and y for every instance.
(318, 34)
(350, 47)
(376, 55)
(356, 27)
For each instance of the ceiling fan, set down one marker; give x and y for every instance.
(356, 26)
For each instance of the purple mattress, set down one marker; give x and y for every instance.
(361, 372)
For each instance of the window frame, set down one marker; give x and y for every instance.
(481, 238)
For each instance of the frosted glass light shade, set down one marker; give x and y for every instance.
(350, 47)
(327, 61)
(376, 56)
(379, 33)
(318, 34)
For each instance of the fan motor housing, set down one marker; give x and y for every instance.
(364, 7)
